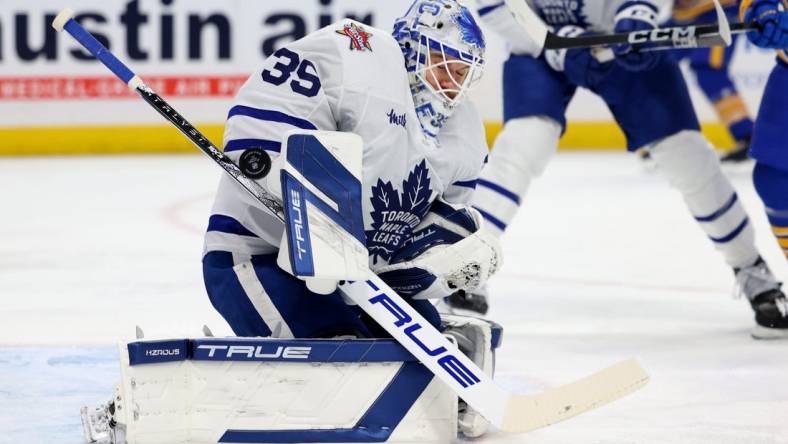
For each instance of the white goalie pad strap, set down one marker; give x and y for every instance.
(321, 189)
(265, 390)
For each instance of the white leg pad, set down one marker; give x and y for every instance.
(692, 167)
(266, 390)
(521, 153)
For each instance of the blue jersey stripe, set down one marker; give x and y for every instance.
(466, 183)
(732, 235)
(270, 116)
(242, 144)
(716, 215)
(500, 190)
(226, 224)
(491, 219)
(488, 9)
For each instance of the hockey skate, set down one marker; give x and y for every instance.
(100, 426)
(739, 153)
(95, 423)
(760, 287)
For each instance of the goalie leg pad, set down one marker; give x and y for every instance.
(266, 390)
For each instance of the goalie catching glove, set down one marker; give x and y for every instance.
(448, 251)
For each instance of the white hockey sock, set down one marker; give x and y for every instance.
(520, 154)
(691, 166)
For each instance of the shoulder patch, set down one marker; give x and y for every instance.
(359, 37)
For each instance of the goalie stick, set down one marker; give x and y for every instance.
(509, 412)
(693, 36)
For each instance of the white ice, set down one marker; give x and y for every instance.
(602, 263)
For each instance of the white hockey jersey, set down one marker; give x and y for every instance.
(346, 77)
(592, 15)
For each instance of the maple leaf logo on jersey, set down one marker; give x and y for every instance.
(359, 38)
(563, 12)
(394, 215)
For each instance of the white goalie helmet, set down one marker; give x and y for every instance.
(444, 55)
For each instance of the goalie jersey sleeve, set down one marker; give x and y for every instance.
(345, 77)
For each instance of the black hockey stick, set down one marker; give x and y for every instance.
(693, 36)
(135, 83)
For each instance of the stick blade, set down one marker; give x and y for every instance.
(529, 412)
(724, 25)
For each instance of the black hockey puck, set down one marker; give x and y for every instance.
(255, 163)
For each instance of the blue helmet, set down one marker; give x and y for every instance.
(440, 38)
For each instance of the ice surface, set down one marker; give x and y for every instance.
(602, 263)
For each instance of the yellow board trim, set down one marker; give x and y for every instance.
(606, 136)
(149, 139)
(143, 139)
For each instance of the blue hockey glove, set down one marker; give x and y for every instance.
(636, 16)
(580, 65)
(772, 23)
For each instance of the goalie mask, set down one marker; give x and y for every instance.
(444, 55)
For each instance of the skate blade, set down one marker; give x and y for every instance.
(92, 436)
(766, 333)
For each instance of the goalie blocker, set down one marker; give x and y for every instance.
(245, 390)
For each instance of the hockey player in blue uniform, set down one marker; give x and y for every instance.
(711, 67)
(648, 97)
(770, 144)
